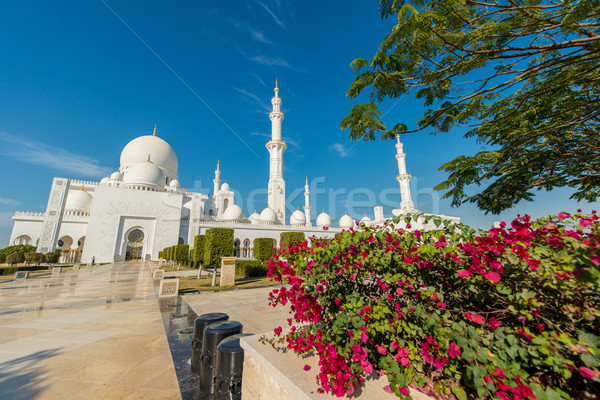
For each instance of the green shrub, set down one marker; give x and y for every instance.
(218, 243)
(182, 252)
(29, 256)
(53, 257)
(288, 238)
(508, 313)
(12, 270)
(19, 248)
(2, 258)
(14, 258)
(250, 269)
(263, 249)
(198, 250)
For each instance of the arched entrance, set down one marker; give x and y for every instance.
(135, 245)
(236, 248)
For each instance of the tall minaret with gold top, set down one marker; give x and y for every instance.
(276, 148)
(403, 178)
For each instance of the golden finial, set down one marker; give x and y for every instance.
(276, 87)
(82, 188)
(307, 179)
(297, 208)
(154, 134)
(148, 160)
(218, 164)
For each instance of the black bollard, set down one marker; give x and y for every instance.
(199, 325)
(228, 372)
(213, 334)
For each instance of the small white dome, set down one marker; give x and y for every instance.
(233, 213)
(268, 216)
(174, 183)
(78, 200)
(117, 176)
(104, 181)
(366, 219)
(254, 218)
(161, 154)
(145, 174)
(346, 222)
(225, 186)
(298, 218)
(324, 219)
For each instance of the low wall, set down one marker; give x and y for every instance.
(274, 373)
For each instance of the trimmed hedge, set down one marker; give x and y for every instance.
(19, 248)
(181, 252)
(250, 269)
(218, 243)
(2, 258)
(198, 250)
(263, 248)
(12, 270)
(288, 238)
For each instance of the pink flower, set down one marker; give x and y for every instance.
(587, 373)
(494, 323)
(464, 273)
(493, 276)
(595, 259)
(307, 367)
(440, 362)
(388, 389)
(583, 222)
(441, 305)
(277, 331)
(325, 228)
(499, 373)
(404, 390)
(394, 345)
(478, 319)
(563, 215)
(381, 349)
(454, 351)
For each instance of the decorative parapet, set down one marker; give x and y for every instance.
(74, 182)
(28, 215)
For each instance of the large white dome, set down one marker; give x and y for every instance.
(268, 216)
(161, 154)
(346, 222)
(324, 219)
(78, 200)
(145, 174)
(254, 218)
(233, 213)
(297, 218)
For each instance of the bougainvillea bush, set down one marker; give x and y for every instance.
(509, 313)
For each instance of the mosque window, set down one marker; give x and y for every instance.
(60, 243)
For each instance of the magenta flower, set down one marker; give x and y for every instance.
(494, 323)
(388, 389)
(277, 331)
(478, 319)
(493, 276)
(464, 273)
(381, 349)
(587, 373)
(563, 215)
(454, 351)
(404, 390)
(307, 367)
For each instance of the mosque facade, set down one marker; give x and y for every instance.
(142, 208)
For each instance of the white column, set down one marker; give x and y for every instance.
(276, 147)
(403, 178)
(307, 206)
(217, 180)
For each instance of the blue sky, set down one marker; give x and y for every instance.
(79, 80)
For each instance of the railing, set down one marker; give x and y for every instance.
(28, 215)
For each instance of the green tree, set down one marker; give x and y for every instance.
(218, 243)
(181, 253)
(264, 249)
(13, 258)
(521, 75)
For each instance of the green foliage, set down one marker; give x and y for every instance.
(513, 311)
(12, 270)
(288, 238)
(181, 252)
(15, 258)
(29, 256)
(53, 257)
(20, 248)
(198, 250)
(2, 258)
(523, 77)
(250, 269)
(218, 243)
(263, 249)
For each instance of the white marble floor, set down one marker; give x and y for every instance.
(92, 334)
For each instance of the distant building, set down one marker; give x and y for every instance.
(142, 208)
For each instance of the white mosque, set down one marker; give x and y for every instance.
(142, 208)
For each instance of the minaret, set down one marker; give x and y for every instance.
(217, 180)
(276, 148)
(403, 179)
(307, 206)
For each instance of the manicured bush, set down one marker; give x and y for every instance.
(218, 243)
(14, 258)
(29, 256)
(198, 250)
(287, 238)
(53, 257)
(12, 270)
(250, 269)
(509, 313)
(19, 248)
(181, 252)
(39, 258)
(263, 249)
(2, 258)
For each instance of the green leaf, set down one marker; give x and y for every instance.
(459, 393)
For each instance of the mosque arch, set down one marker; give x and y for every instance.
(236, 248)
(23, 239)
(246, 249)
(81, 243)
(225, 204)
(65, 242)
(135, 239)
(180, 241)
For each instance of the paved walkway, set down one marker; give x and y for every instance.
(92, 334)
